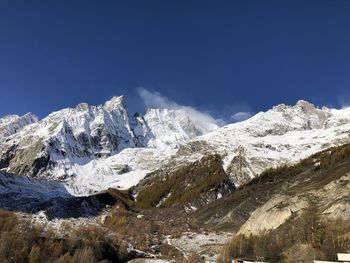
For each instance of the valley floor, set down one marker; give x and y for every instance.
(194, 247)
(175, 244)
(207, 245)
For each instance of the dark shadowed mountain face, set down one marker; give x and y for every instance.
(23, 194)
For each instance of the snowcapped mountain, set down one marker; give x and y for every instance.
(92, 148)
(282, 135)
(100, 143)
(164, 128)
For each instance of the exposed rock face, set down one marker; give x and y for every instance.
(27, 160)
(335, 198)
(332, 200)
(272, 214)
(239, 168)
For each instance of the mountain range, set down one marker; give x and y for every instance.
(250, 176)
(91, 148)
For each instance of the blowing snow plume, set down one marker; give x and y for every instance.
(203, 121)
(241, 116)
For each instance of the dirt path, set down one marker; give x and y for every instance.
(170, 243)
(207, 245)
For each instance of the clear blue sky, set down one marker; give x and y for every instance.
(217, 56)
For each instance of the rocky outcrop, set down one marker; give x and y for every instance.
(332, 201)
(272, 214)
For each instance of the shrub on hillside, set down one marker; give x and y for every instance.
(24, 243)
(326, 237)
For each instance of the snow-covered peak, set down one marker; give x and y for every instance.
(169, 128)
(91, 147)
(115, 102)
(301, 104)
(304, 104)
(284, 118)
(82, 106)
(85, 133)
(283, 134)
(11, 124)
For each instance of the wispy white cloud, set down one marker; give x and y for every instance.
(241, 116)
(203, 120)
(344, 99)
(154, 99)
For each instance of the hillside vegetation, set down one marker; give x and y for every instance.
(313, 173)
(301, 239)
(195, 184)
(311, 231)
(158, 210)
(21, 242)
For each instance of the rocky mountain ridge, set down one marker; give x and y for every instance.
(92, 148)
(61, 144)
